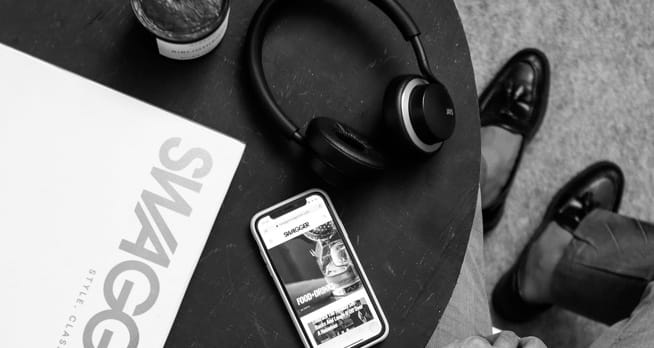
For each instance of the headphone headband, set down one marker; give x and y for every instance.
(254, 45)
(400, 17)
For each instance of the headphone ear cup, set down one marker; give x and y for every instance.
(392, 109)
(339, 152)
(418, 114)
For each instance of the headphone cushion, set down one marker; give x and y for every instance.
(342, 148)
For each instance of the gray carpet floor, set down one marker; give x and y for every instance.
(601, 107)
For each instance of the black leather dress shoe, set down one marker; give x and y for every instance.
(516, 100)
(599, 186)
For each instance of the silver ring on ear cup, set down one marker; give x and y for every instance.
(405, 99)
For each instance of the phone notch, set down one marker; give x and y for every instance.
(284, 209)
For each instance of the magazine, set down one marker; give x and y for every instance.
(105, 206)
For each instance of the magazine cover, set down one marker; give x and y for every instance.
(106, 204)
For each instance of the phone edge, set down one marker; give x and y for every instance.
(268, 263)
(278, 284)
(373, 295)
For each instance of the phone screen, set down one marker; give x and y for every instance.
(322, 280)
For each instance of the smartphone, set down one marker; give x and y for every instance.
(318, 274)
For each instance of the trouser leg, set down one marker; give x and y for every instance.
(605, 269)
(637, 331)
(467, 313)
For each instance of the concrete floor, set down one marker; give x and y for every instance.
(601, 107)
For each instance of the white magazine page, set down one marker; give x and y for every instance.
(105, 206)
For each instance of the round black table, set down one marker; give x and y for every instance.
(410, 226)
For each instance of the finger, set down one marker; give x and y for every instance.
(475, 342)
(531, 342)
(505, 339)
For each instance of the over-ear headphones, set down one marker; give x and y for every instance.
(418, 109)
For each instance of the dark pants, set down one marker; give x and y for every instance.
(612, 256)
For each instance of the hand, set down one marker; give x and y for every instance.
(504, 339)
